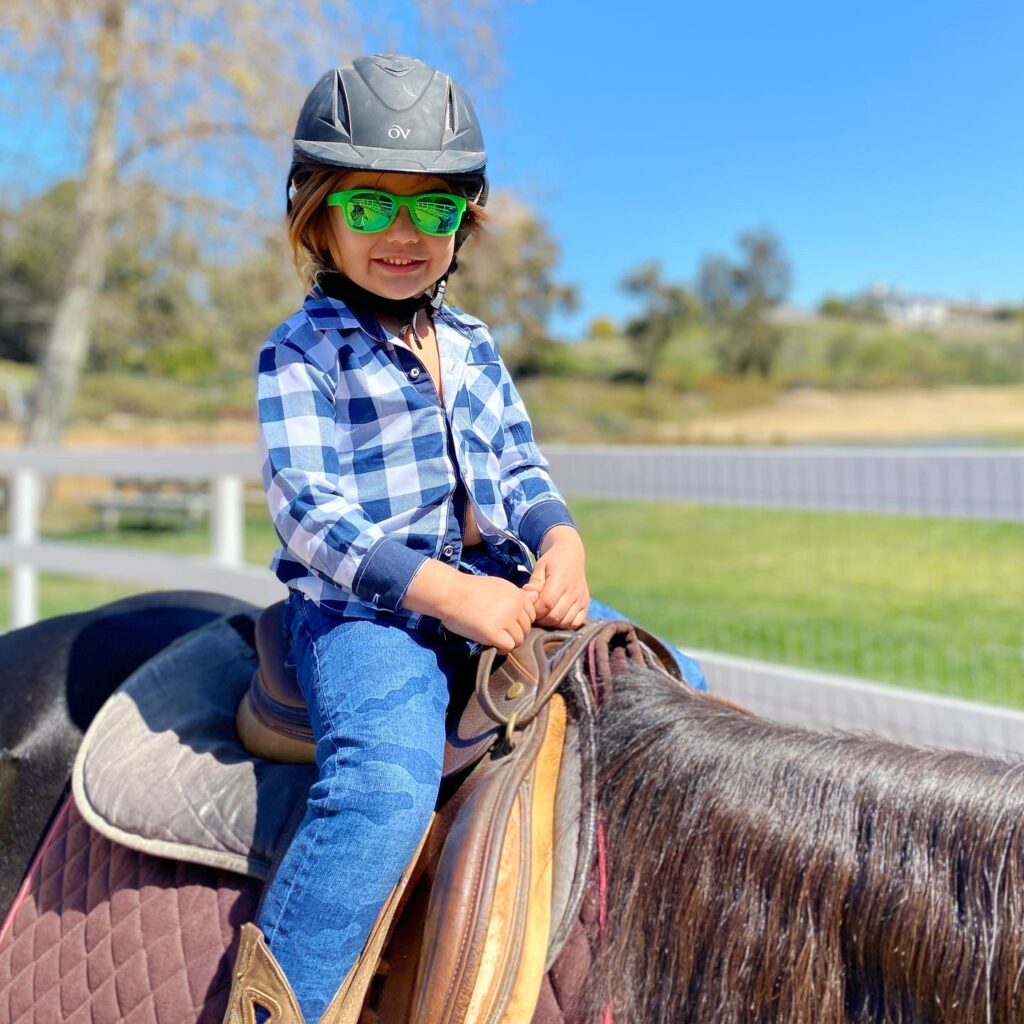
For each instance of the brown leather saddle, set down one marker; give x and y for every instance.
(499, 879)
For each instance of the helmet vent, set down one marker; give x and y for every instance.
(395, 66)
(339, 114)
(451, 114)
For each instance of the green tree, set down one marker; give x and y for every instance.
(505, 277)
(148, 293)
(738, 299)
(602, 327)
(245, 300)
(34, 241)
(833, 305)
(207, 89)
(669, 310)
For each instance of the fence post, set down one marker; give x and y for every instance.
(24, 530)
(227, 533)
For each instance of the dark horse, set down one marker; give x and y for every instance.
(756, 872)
(54, 676)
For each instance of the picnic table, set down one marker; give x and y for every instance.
(152, 504)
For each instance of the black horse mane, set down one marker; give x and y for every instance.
(762, 873)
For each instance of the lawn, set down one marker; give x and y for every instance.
(931, 603)
(924, 602)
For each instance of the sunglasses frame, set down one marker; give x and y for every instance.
(342, 198)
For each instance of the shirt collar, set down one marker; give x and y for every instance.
(456, 317)
(327, 313)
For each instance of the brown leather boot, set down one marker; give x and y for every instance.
(258, 981)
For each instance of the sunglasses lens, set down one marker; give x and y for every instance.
(436, 214)
(369, 211)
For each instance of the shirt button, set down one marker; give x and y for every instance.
(414, 373)
(448, 551)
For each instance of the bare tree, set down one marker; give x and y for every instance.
(198, 94)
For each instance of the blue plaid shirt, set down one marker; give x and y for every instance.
(367, 473)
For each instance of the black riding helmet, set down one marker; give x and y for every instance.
(393, 113)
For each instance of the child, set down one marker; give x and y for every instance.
(405, 486)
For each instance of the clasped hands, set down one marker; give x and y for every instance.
(497, 613)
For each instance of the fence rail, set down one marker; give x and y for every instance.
(965, 483)
(224, 468)
(973, 484)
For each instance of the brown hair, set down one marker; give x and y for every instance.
(308, 219)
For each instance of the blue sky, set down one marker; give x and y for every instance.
(882, 142)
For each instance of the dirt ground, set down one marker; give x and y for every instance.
(949, 413)
(911, 414)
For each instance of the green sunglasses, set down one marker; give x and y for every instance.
(372, 209)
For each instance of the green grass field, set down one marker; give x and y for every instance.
(930, 603)
(933, 603)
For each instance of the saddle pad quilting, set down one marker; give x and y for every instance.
(563, 983)
(105, 934)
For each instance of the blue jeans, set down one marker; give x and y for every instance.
(377, 696)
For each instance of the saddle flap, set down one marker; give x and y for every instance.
(488, 922)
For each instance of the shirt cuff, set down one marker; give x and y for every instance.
(539, 519)
(385, 572)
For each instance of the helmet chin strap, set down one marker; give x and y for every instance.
(405, 311)
(439, 289)
(433, 305)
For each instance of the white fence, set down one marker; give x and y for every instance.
(225, 469)
(928, 483)
(975, 483)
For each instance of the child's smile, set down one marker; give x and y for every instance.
(401, 261)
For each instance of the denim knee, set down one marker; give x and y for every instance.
(390, 795)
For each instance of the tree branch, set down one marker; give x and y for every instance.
(204, 129)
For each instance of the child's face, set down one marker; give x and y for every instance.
(401, 261)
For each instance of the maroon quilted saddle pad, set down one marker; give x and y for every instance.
(100, 934)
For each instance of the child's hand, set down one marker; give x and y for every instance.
(490, 610)
(559, 580)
